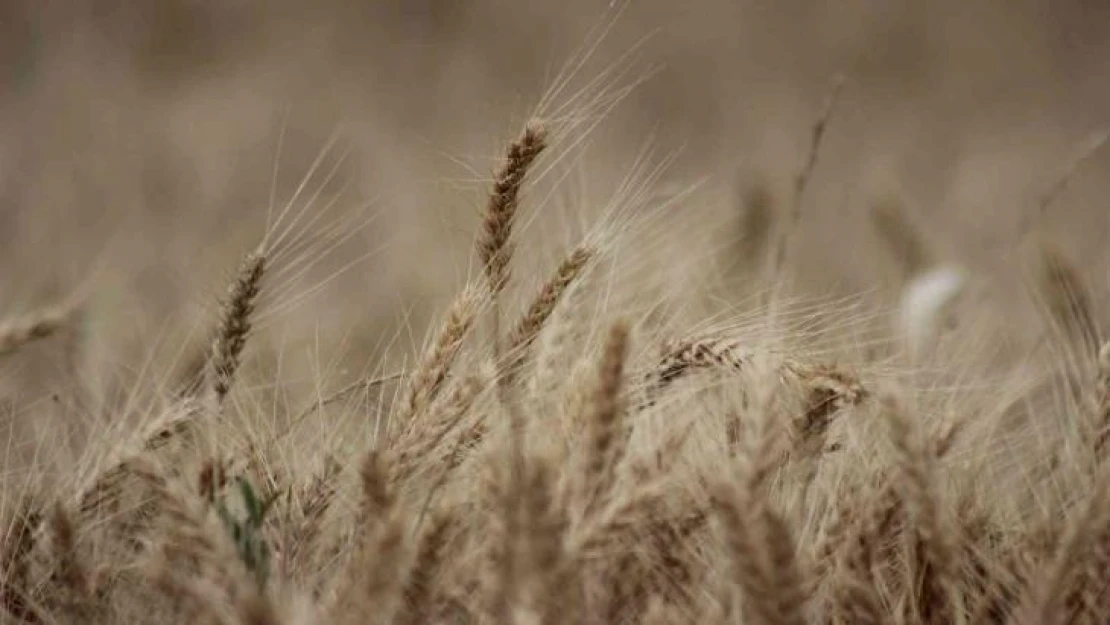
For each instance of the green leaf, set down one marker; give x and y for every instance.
(245, 533)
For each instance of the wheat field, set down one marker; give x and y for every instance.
(416, 311)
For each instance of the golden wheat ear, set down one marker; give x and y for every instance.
(373, 578)
(1072, 587)
(73, 570)
(934, 560)
(761, 553)
(607, 438)
(420, 593)
(235, 324)
(528, 328)
(495, 247)
(430, 375)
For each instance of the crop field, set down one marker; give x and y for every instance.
(534, 313)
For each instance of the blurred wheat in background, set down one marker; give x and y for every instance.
(424, 311)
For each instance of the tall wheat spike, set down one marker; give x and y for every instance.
(235, 323)
(524, 333)
(432, 370)
(495, 247)
(934, 561)
(606, 444)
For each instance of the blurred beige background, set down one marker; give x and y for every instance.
(139, 138)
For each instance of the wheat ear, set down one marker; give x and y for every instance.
(235, 323)
(495, 246)
(432, 372)
(933, 554)
(606, 436)
(524, 334)
(761, 556)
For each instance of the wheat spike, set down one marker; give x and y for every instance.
(235, 323)
(419, 590)
(606, 445)
(1064, 592)
(495, 247)
(761, 557)
(72, 569)
(373, 577)
(524, 334)
(432, 371)
(684, 357)
(934, 559)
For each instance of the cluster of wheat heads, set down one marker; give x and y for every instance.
(575, 467)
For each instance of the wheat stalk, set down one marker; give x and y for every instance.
(802, 179)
